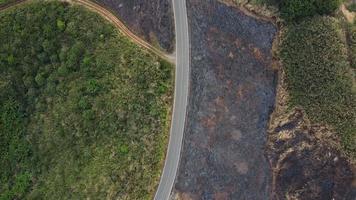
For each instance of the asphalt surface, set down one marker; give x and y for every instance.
(180, 101)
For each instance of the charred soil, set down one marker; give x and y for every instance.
(233, 88)
(307, 162)
(151, 19)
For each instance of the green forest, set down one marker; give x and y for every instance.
(84, 111)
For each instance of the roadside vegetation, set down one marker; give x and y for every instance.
(352, 7)
(292, 10)
(352, 44)
(83, 111)
(4, 2)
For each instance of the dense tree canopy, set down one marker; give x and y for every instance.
(352, 43)
(296, 10)
(292, 10)
(84, 112)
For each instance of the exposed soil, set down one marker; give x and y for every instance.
(350, 16)
(151, 19)
(232, 95)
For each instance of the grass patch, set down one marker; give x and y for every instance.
(83, 110)
(352, 7)
(352, 44)
(318, 75)
(4, 2)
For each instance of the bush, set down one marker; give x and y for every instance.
(352, 44)
(5, 2)
(292, 10)
(352, 7)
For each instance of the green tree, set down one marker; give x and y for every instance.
(40, 79)
(60, 24)
(292, 10)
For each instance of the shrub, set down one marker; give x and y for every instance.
(352, 44)
(292, 10)
(352, 7)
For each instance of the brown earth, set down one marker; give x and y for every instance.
(150, 19)
(350, 16)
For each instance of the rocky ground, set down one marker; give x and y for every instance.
(232, 95)
(150, 19)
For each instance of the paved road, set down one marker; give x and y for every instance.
(180, 101)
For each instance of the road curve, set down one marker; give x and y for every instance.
(180, 101)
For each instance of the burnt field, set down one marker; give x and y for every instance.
(232, 94)
(306, 161)
(150, 19)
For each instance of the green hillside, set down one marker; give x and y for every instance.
(84, 111)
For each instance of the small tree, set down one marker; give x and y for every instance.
(60, 25)
(40, 79)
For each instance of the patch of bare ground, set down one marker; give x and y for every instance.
(150, 19)
(232, 93)
(349, 15)
(254, 9)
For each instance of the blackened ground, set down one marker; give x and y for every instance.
(150, 19)
(232, 95)
(306, 162)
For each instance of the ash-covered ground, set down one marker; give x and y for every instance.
(151, 19)
(232, 94)
(306, 161)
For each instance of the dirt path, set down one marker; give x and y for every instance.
(119, 25)
(350, 16)
(114, 20)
